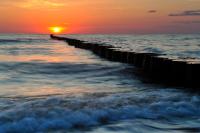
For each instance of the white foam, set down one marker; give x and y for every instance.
(65, 113)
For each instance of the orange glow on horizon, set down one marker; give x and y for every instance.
(56, 29)
(98, 16)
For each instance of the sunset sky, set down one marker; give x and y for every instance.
(100, 16)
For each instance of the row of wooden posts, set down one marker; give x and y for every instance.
(158, 68)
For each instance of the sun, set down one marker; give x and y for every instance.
(56, 29)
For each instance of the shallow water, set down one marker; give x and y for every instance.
(48, 86)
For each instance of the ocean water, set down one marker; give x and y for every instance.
(48, 86)
(174, 46)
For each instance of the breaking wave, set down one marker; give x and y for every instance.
(64, 113)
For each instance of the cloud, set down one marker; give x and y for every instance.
(41, 3)
(152, 11)
(34, 3)
(188, 22)
(187, 13)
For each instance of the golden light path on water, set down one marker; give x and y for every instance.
(61, 53)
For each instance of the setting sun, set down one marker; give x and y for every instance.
(56, 29)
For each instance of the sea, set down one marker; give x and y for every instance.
(47, 86)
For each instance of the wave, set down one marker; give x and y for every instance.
(63, 75)
(23, 40)
(64, 113)
(65, 68)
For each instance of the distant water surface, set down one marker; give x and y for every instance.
(48, 86)
(175, 46)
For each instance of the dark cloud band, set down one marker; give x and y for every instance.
(152, 11)
(188, 22)
(187, 13)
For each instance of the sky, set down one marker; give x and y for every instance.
(100, 16)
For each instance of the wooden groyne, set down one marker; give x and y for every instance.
(184, 73)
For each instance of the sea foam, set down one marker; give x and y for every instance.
(64, 113)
